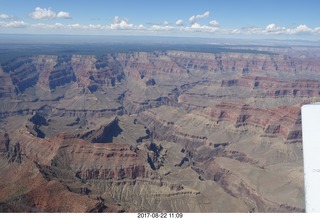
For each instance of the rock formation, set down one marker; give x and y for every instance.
(172, 131)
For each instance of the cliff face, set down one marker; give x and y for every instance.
(23, 73)
(6, 86)
(283, 121)
(104, 161)
(155, 131)
(56, 71)
(245, 63)
(9, 150)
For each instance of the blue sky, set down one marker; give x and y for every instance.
(274, 19)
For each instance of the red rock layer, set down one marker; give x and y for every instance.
(244, 62)
(284, 121)
(275, 87)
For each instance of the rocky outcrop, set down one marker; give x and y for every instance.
(276, 88)
(34, 124)
(38, 120)
(239, 188)
(105, 160)
(104, 134)
(165, 130)
(284, 121)
(9, 150)
(155, 155)
(62, 73)
(23, 73)
(151, 82)
(44, 65)
(243, 63)
(142, 64)
(94, 73)
(4, 143)
(84, 69)
(7, 88)
(85, 169)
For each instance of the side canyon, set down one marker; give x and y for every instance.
(164, 131)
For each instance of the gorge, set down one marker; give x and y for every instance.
(162, 130)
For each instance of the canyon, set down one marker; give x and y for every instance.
(160, 131)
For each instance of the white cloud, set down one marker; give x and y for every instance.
(195, 26)
(4, 16)
(274, 29)
(251, 30)
(161, 28)
(46, 14)
(179, 22)
(116, 20)
(317, 30)
(214, 23)
(15, 24)
(193, 19)
(201, 28)
(42, 14)
(75, 26)
(95, 26)
(119, 23)
(235, 31)
(49, 26)
(58, 25)
(70, 26)
(270, 27)
(63, 14)
(179, 27)
(301, 29)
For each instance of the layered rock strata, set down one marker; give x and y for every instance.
(155, 131)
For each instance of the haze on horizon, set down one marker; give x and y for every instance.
(293, 20)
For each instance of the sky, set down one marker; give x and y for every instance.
(249, 19)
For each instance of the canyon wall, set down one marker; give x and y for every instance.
(155, 131)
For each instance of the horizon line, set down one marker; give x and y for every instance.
(155, 36)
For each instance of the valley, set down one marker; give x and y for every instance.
(156, 131)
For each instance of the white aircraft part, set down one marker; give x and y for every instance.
(311, 155)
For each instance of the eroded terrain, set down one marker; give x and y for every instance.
(170, 131)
